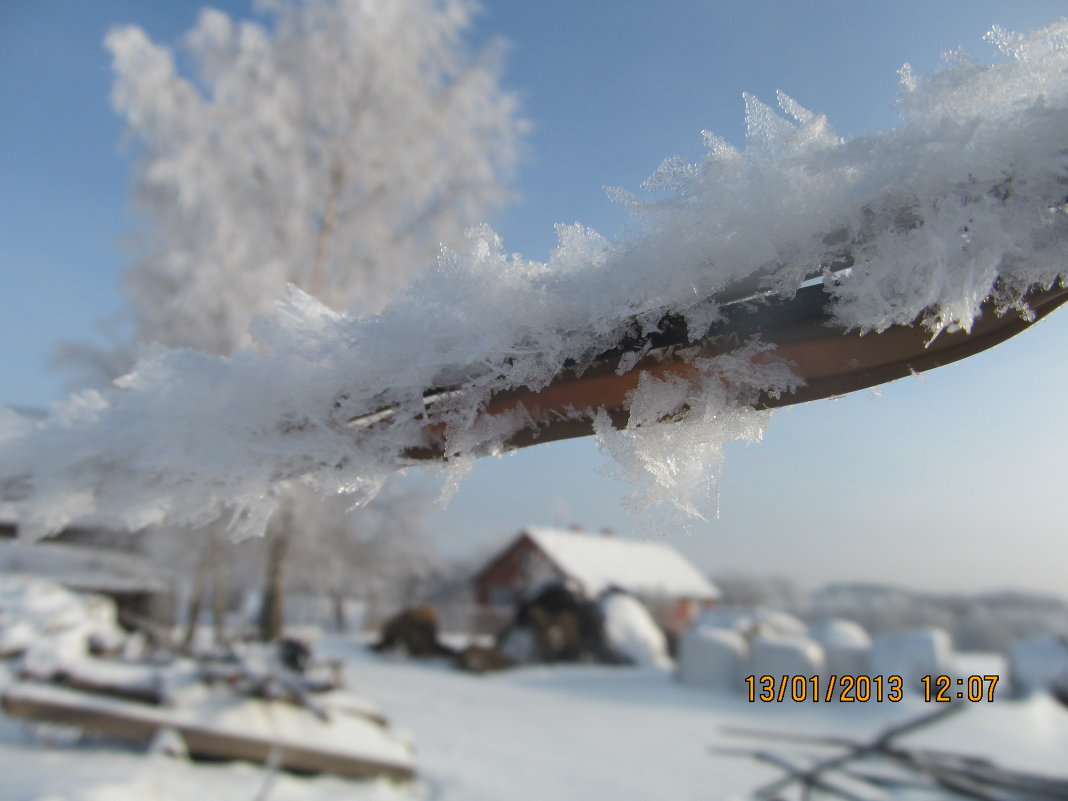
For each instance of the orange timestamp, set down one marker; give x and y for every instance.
(862, 688)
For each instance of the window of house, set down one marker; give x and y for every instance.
(500, 595)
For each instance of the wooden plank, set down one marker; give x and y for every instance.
(104, 721)
(143, 686)
(138, 723)
(207, 743)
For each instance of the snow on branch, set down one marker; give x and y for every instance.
(965, 200)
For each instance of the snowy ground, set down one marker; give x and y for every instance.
(546, 733)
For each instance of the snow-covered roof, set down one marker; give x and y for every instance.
(598, 561)
(81, 568)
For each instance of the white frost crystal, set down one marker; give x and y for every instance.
(962, 201)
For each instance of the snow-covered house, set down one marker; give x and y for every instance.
(75, 563)
(666, 582)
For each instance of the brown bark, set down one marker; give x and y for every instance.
(272, 612)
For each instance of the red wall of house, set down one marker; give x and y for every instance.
(509, 571)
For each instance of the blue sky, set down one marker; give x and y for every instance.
(952, 482)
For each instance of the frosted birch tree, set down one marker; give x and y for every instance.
(332, 144)
(335, 145)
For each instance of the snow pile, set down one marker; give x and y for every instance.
(1038, 665)
(50, 625)
(912, 654)
(846, 646)
(961, 202)
(631, 631)
(786, 655)
(288, 725)
(713, 658)
(752, 621)
(725, 645)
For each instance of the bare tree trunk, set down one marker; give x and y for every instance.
(220, 583)
(192, 617)
(196, 601)
(272, 612)
(338, 602)
(326, 231)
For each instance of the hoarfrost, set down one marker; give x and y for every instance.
(671, 451)
(964, 200)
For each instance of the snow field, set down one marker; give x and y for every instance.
(574, 733)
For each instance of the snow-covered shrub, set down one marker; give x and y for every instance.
(715, 658)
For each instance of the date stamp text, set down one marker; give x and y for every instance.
(846, 688)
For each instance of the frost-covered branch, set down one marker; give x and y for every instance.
(962, 202)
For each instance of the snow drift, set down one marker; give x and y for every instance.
(46, 623)
(965, 200)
